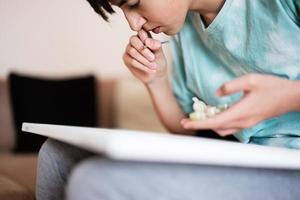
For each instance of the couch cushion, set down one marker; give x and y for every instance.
(20, 168)
(11, 190)
(66, 101)
(7, 135)
(134, 109)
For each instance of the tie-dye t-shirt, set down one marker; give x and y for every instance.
(247, 36)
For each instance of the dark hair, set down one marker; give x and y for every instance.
(102, 7)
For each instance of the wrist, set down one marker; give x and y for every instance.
(158, 82)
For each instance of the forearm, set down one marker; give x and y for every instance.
(166, 106)
(294, 97)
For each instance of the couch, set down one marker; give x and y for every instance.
(123, 103)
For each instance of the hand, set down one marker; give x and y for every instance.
(144, 58)
(265, 97)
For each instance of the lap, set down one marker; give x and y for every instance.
(102, 178)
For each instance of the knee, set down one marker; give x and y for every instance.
(46, 149)
(90, 180)
(48, 145)
(55, 154)
(49, 150)
(49, 180)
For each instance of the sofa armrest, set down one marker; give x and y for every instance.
(11, 190)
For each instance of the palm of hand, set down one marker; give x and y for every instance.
(264, 97)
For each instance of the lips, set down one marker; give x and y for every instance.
(156, 30)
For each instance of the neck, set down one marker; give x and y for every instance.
(208, 9)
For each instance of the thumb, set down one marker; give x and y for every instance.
(237, 85)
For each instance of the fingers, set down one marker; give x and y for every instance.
(226, 122)
(140, 54)
(137, 43)
(225, 132)
(243, 83)
(131, 62)
(149, 42)
(153, 44)
(143, 35)
(220, 131)
(228, 119)
(140, 58)
(210, 123)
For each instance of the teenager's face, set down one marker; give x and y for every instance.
(165, 16)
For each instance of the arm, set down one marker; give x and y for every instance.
(265, 97)
(294, 98)
(166, 106)
(149, 66)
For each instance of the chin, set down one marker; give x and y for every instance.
(171, 32)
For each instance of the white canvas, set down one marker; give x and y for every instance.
(157, 147)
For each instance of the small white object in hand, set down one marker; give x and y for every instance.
(197, 116)
(198, 106)
(211, 111)
(223, 107)
(203, 111)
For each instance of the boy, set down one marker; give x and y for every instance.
(240, 52)
(209, 53)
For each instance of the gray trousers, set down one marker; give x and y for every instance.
(67, 172)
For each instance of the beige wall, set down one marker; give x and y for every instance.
(60, 37)
(134, 109)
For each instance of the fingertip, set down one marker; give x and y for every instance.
(183, 121)
(186, 126)
(148, 42)
(223, 90)
(142, 35)
(152, 44)
(152, 71)
(219, 93)
(141, 31)
(150, 56)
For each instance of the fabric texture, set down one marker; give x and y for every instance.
(260, 36)
(99, 178)
(55, 162)
(83, 175)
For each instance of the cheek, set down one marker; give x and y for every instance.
(174, 15)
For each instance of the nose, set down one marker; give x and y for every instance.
(135, 20)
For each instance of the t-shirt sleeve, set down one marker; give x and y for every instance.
(292, 8)
(178, 77)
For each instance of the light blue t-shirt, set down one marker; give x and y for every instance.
(247, 36)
